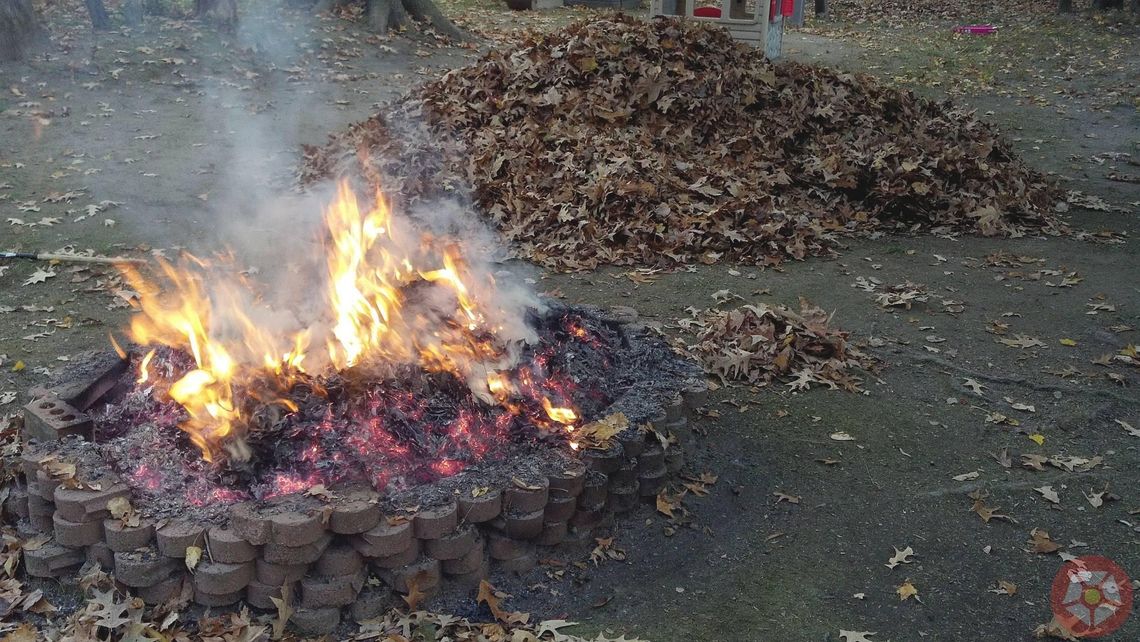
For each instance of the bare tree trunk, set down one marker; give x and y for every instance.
(17, 28)
(99, 19)
(1065, 6)
(133, 11)
(426, 10)
(328, 5)
(384, 15)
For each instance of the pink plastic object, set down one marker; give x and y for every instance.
(976, 30)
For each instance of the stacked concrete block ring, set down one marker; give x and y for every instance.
(340, 558)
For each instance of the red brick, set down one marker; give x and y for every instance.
(217, 578)
(228, 547)
(306, 554)
(524, 525)
(76, 534)
(278, 574)
(40, 507)
(164, 591)
(16, 506)
(435, 521)
(471, 579)
(652, 459)
(552, 534)
(587, 518)
(50, 419)
(425, 571)
(121, 538)
(696, 394)
(406, 556)
(622, 499)
(46, 486)
(384, 539)
(52, 560)
(594, 494)
(88, 505)
(259, 595)
(145, 567)
(520, 564)
(339, 560)
(91, 376)
(674, 408)
(321, 592)
(371, 603)
(174, 538)
(503, 547)
(43, 524)
(355, 513)
(468, 562)
(215, 600)
(526, 500)
(632, 443)
(315, 622)
(560, 507)
(295, 528)
(453, 545)
(100, 554)
(603, 461)
(248, 521)
(625, 474)
(651, 482)
(476, 510)
(570, 481)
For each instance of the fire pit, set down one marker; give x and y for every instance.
(449, 426)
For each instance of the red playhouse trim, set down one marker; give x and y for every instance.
(706, 12)
(787, 8)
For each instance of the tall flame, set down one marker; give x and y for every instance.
(371, 271)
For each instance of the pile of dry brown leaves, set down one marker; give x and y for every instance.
(758, 344)
(620, 141)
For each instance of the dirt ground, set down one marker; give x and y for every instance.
(154, 139)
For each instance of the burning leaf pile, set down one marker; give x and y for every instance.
(626, 142)
(408, 362)
(758, 344)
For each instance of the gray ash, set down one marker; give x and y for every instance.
(409, 434)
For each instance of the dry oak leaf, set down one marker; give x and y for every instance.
(900, 557)
(1135, 432)
(906, 591)
(1041, 542)
(39, 276)
(1004, 588)
(193, 556)
(856, 636)
(784, 497)
(284, 606)
(1054, 629)
(1049, 494)
(415, 596)
(493, 599)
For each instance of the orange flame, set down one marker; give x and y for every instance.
(219, 319)
(561, 415)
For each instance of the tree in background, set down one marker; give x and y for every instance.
(386, 15)
(18, 27)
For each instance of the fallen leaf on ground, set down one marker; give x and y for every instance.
(1041, 542)
(900, 557)
(856, 636)
(1049, 494)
